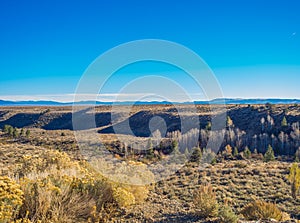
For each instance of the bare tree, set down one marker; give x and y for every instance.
(262, 121)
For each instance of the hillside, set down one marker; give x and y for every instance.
(254, 126)
(50, 153)
(245, 117)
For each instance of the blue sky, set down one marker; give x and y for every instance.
(252, 46)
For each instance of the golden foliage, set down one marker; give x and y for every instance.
(53, 188)
(123, 197)
(228, 150)
(261, 210)
(206, 202)
(11, 198)
(294, 178)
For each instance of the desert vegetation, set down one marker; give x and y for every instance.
(53, 188)
(254, 176)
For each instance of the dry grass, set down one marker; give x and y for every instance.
(236, 183)
(205, 202)
(260, 210)
(55, 188)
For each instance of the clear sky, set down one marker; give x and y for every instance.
(253, 46)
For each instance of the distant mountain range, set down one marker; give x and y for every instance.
(215, 101)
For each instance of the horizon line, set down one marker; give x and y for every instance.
(146, 101)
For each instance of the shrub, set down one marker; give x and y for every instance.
(57, 189)
(140, 193)
(228, 150)
(261, 210)
(133, 176)
(240, 165)
(123, 197)
(205, 202)
(48, 160)
(22, 220)
(208, 156)
(11, 198)
(294, 178)
(54, 200)
(226, 215)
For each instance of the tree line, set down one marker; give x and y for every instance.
(14, 132)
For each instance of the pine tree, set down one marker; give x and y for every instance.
(150, 154)
(175, 148)
(27, 133)
(196, 155)
(235, 152)
(22, 132)
(208, 126)
(10, 131)
(269, 155)
(15, 133)
(6, 128)
(247, 153)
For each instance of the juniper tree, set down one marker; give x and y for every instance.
(235, 152)
(208, 126)
(175, 148)
(22, 132)
(247, 153)
(6, 128)
(196, 155)
(10, 131)
(150, 153)
(269, 155)
(15, 133)
(27, 133)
